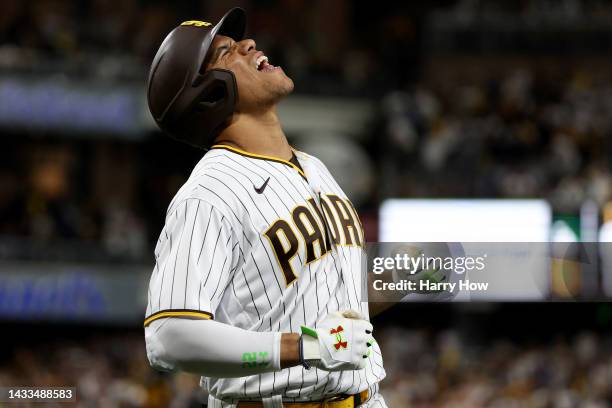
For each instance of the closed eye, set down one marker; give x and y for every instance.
(219, 52)
(222, 50)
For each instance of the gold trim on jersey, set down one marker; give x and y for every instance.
(195, 314)
(259, 156)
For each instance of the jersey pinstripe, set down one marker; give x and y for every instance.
(259, 244)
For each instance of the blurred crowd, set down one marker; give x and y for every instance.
(65, 200)
(319, 42)
(334, 48)
(445, 371)
(107, 371)
(95, 37)
(515, 134)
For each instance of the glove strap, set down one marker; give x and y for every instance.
(309, 347)
(302, 361)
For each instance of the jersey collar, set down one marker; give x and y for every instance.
(259, 156)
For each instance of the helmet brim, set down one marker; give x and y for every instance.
(232, 24)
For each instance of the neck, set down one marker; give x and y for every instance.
(259, 134)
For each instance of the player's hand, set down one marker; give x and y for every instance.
(342, 341)
(427, 272)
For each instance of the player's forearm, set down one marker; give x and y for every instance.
(217, 350)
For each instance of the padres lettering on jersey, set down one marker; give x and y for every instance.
(308, 220)
(258, 243)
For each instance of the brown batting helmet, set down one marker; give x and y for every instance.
(189, 104)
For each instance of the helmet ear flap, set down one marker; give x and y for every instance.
(211, 91)
(213, 97)
(212, 108)
(227, 80)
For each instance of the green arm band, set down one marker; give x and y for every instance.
(309, 332)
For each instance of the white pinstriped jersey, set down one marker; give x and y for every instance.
(254, 242)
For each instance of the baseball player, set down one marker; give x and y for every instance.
(257, 283)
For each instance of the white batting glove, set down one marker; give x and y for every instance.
(340, 342)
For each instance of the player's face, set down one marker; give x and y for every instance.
(260, 84)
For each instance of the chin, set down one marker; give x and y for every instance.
(288, 85)
(282, 88)
(276, 87)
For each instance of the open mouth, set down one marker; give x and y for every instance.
(262, 64)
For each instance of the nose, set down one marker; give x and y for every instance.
(246, 45)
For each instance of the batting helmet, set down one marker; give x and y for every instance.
(189, 104)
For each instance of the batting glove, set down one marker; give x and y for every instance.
(340, 342)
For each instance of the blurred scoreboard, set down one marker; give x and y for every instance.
(465, 220)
